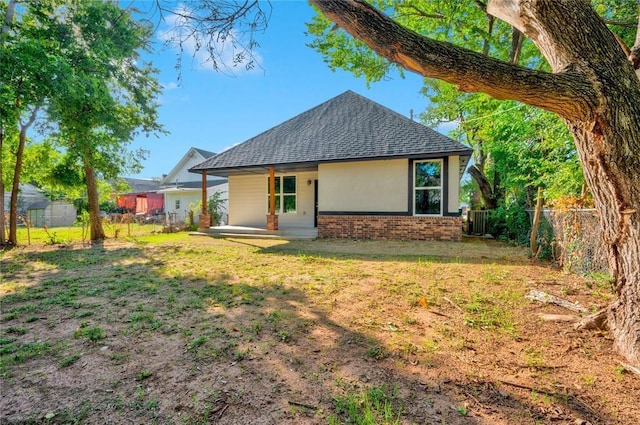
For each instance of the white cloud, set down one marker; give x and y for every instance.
(226, 148)
(170, 85)
(184, 40)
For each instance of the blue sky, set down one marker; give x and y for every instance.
(215, 111)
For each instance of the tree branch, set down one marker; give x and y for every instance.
(567, 94)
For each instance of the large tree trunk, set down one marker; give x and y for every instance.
(15, 188)
(3, 236)
(488, 195)
(97, 232)
(593, 87)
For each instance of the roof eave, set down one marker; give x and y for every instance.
(310, 165)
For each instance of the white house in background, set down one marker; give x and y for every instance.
(27, 195)
(182, 188)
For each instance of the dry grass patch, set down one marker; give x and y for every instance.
(177, 329)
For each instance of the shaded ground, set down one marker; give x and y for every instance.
(177, 329)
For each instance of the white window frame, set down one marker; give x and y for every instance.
(282, 194)
(177, 205)
(440, 188)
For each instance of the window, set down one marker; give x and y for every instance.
(427, 187)
(177, 204)
(285, 192)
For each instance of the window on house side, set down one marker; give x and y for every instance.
(177, 204)
(427, 187)
(285, 192)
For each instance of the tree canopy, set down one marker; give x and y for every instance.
(93, 93)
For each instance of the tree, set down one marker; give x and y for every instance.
(26, 76)
(593, 85)
(107, 97)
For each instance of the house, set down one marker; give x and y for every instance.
(350, 167)
(51, 214)
(143, 197)
(182, 189)
(27, 195)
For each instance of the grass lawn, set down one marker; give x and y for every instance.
(177, 329)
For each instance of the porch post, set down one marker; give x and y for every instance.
(272, 218)
(205, 218)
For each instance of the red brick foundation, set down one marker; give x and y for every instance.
(272, 222)
(204, 222)
(390, 227)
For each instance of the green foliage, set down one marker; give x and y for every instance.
(52, 237)
(93, 333)
(98, 96)
(510, 222)
(68, 361)
(375, 405)
(215, 208)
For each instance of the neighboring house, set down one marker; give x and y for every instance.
(27, 195)
(183, 189)
(51, 214)
(350, 167)
(143, 198)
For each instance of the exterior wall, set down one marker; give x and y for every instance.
(187, 197)
(183, 175)
(390, 227)
(60, 214)
(454, 184)
(55, 214)
(375, 186)
(248, 202)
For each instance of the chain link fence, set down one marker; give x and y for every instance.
(577, 243)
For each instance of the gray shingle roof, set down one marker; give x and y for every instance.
(347, 127)
(142, 185)
(198, 185)
(204, 153)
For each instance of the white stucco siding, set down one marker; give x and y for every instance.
(365, 186)
(454, 184)
(248, 205)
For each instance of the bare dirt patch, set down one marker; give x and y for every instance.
(197, 330)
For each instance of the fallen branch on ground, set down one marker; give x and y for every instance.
(558, 317)
(308, 406)
(453, 304)
(545, 298)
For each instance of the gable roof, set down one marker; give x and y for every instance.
(347, 127)
(171, 176)
(204, 153)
